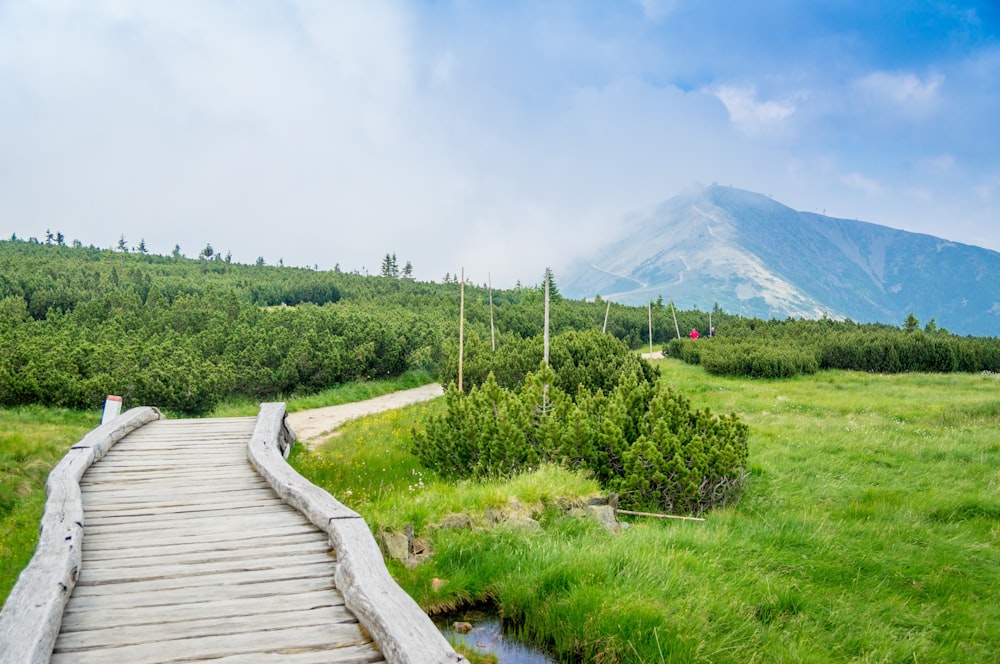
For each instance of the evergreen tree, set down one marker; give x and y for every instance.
(408, 270)
(122, 245)
(142, 247)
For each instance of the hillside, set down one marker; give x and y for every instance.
(754, 256)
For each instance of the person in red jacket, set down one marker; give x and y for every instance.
(694, 333)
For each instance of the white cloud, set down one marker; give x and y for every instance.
(749, 114)
(901, 89)
(856, 180)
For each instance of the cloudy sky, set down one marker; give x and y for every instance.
(498, 136)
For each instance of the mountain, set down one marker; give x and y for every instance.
(752, 255)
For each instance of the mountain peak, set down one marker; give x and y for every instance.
(753, 255)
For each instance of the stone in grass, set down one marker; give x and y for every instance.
(404, 547)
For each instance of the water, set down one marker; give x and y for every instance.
(487, 637)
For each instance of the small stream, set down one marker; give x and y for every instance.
(487, 638)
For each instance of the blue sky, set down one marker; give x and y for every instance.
(502, 137)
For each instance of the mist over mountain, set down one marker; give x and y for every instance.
(752, 255)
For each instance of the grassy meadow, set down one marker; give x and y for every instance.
(869, 531)
(32, 440)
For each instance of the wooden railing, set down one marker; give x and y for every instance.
(32, 614)
(403, 632)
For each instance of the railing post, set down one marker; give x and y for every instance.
(112, 408)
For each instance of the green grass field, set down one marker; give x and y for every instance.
(32, 440)
(869, 531)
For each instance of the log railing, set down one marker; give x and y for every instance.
(32, 614)
(403, 632)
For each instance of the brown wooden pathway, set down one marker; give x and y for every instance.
(193, 540)
(190, 555)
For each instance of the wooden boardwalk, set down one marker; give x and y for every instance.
(190, 555)
(193, 540)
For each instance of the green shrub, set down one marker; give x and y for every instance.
(642, 440)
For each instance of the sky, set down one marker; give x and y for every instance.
(498, 137)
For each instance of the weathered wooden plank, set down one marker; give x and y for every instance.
(192, 628)
(350, 655)
(74, 621)
(98, 502)
(320, 569)
(230, 509)
(264, 640)
(115, 540)
(188, 549)
(266, 590)
(248, 517)
(29, 620)
(180, 485)
(404, 633)
(178, 573)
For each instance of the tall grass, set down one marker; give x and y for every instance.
(32, 440)
(870, 531)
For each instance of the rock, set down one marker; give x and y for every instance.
(462, 627)
(605, 515)
(456, 521)
(437, 584)
(397, 546)
(406, 548)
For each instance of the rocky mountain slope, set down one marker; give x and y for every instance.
(752, 255)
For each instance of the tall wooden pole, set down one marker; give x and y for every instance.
(545, 334)
(493, 334)
(676, 326)
(604, 330)
(710, 328)
(651, 327)
(461, 329)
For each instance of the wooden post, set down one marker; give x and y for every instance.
(112, 408)
(710, 328)
(604, 330)
(676, 326)
(493, 334)
(545, 333)
(651, 328)
(461, 328)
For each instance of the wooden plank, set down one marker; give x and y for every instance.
(246, 520)
(349, 655)
(238, 547)
(320, 569)
(114, 575)
(290, 639)
(113, 540)
(242, 505)
(267, 590)
(192, 628)
(74, 621)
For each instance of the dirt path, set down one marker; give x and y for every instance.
(312, 427)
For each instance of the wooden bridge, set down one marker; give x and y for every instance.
(193, 540)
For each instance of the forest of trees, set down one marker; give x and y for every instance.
(78, 323)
